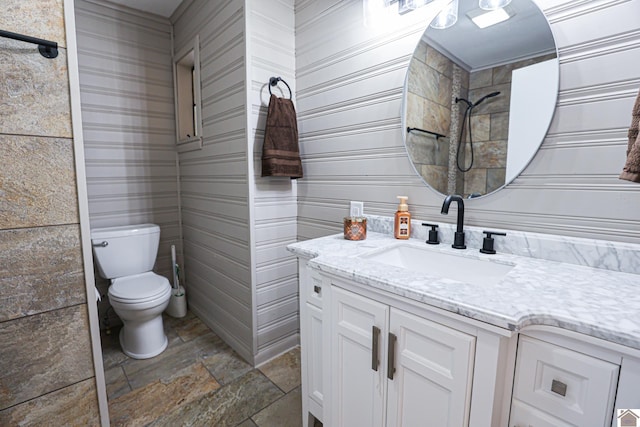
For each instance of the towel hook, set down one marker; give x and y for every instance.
(273, 81)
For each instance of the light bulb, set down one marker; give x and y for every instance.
(447, 17)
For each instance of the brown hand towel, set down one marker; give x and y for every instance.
(631, 170)
(280, 152)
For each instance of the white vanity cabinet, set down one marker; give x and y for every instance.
(378, 354)
(391, 365)
(311, 349)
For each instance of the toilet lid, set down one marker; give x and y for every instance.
(139, 287)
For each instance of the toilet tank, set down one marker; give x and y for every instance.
(126, 250)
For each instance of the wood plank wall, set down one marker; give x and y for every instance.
(271, 43)
(126, 86)
(242, 281)
(214, 182)
(349, 84)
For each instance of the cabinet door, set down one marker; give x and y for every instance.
(310, 345)
(357, 389)
(314, 359)
(431, 385)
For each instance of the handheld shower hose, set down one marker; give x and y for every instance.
(467, 117)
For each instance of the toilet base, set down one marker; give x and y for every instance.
(147, 355)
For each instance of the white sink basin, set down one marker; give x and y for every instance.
(450, 266)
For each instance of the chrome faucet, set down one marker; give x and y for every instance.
(458, 237)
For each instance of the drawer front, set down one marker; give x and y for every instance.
(574, 387)
(523, 415)
(314, 292)
(310, 285)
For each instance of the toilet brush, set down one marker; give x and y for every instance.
(174, 267)
(177, 290)
(178, 302)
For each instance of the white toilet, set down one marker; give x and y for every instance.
(126, 255)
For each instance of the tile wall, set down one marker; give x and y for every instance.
(490, 126)
(429, 97)
(433, 83)
(46, 365)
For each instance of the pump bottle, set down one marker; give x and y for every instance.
(402, 225)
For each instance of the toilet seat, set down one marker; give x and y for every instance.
(139, 288)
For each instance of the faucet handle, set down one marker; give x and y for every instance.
(487, 242)
(433, 234)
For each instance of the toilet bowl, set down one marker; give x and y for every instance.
(126, 255)
(139, 301)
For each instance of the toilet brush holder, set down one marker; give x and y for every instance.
(177, 303)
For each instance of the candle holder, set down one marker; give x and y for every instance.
(355, 228)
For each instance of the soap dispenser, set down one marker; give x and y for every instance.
(402, 225)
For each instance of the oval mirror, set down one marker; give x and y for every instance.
(478, 101)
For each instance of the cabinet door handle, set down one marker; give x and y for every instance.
(375, 343)
(559, 387)
(391, 356)
(317, 289)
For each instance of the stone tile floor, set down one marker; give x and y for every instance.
(200, 381)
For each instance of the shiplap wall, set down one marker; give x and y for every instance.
(236, 225)
(348, 90)
(214, 182)
(271, 52)
(126, 87)
(349, 82)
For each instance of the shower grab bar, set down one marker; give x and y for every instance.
(437, 135)
(47, 48)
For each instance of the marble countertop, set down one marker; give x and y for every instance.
(601, 303)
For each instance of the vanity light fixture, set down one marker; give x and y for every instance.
(484, 19)
(447, 17)
(492, 4)
(405, 6)
(375, 10)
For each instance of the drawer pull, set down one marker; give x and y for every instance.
(559, 387)
(317, 289)
(375, 343)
